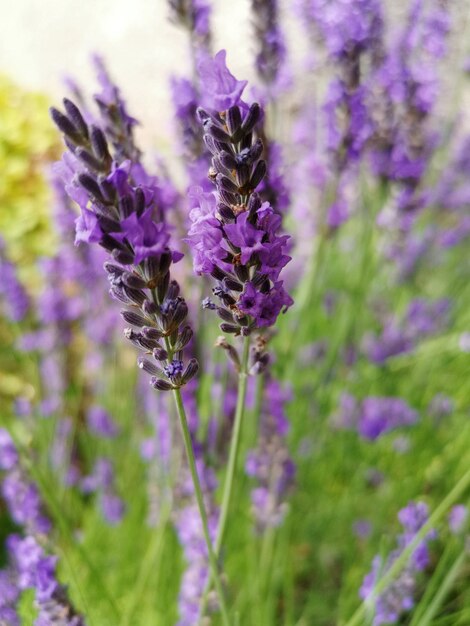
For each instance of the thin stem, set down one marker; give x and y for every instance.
(234, 445)
(200, 502)
(232, 460)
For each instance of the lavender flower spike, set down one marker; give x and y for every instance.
(118, 213)
(235, 237)
(12, 292)
(30, 567)
(398, 598)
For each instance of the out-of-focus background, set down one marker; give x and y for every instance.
(44, 42)
(363, 416)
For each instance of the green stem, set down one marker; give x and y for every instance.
(232, 459)
(443, 590)
(200, 502)
(234, 444)
(404, 557)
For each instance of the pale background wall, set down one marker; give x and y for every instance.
(41, 40)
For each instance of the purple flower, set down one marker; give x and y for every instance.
(220, 89)
(205, 234)
(101, 423)
(24, 502)
(113, 508)
(147, 238)
(251, 301)
(458, 517)
(15, 298)
(362, 528)
(398, 597)
(381, 415)
(46, 583)
(234, 236)
(245, 236)
(87, 228)
(8, 453)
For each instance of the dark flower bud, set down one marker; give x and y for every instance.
(233, 285)
(180, 314)
(109, 243)
(233, 119)
(134, 318)
(225, 183)
(99, 145)
(139, 201)
(254, 203)
(228, 160)
(165, 262)
(241, 272)
(114, 271)
(258, 174)
(123, 256)
(139, 340)
(89, 160)
(242, 175)
(218, 274)
(160, 354)
(160, 384)
(130, 279)
(173, 290)
(136, 296)
(190, 372)
(229, 349)
(117, 294)
(246, 141)
(221, 146)
(149, 332)
(218, 168)
(148, 366)
(91, 185)
(251, 118)
(125, 206)
(162, 286)
(217, 132)
(227, 198)
(107, 224)
(132, 335)
(70, 144)
(226, 298)
(147, 344)
(230, 328)
(225, 314)
(256, 150)
(108, 190)
(208, 304)
(259, 280)
(184, 338)
(225, 212)
(149, 307)
(73, 112)
(65, 126)
(210, 144)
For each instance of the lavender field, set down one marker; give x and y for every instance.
(234, 367)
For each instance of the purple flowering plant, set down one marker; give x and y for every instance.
(302, 455)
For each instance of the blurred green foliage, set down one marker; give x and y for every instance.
(27, 144)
